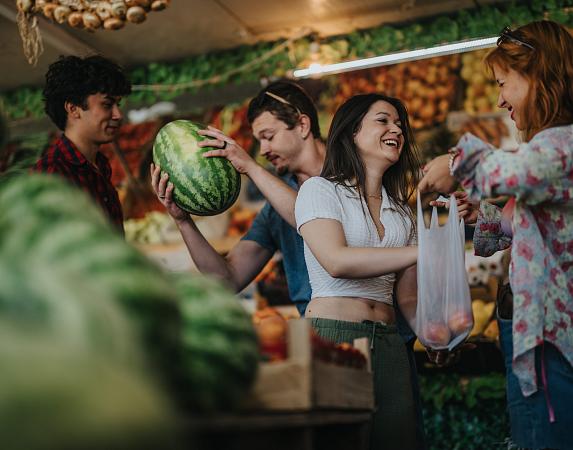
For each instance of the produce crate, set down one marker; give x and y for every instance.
(303, 383)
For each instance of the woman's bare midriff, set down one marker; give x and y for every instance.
(351, 309)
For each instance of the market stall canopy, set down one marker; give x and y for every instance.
(191, 27)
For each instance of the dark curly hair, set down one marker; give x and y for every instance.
(73, 79)
(298, 101)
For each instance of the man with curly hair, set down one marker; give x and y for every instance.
(82, 97)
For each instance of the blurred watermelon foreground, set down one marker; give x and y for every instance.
(99, 347)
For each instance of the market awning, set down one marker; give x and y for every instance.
(191, 27)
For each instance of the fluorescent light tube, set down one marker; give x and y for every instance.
(395, 58)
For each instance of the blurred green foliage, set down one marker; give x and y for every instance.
(464, 413)
(479, 22)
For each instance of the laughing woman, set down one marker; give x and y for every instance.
(533, 66)
(360, 248)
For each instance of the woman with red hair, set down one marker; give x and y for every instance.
(533, 66)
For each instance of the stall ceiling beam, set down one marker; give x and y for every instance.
(53, 34)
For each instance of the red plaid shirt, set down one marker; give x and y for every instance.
(66, 160)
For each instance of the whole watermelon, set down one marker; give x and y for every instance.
(219, 345)
(202, 186)
(47, 222)
(84, 321)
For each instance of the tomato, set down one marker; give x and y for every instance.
(460, 322)
(436, 333)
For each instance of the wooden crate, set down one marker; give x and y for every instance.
(301, 383)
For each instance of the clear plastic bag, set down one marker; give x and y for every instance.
(444, 313)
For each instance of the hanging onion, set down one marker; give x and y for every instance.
(143, 3)
(91, 21)
(103, 10)
(76, 20)
(61, 13)
(118, 9)
(113, 23)
(159, 5)
(78, 6)
(49, 10)
(136, 14)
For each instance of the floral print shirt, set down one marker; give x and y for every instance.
(539, 174)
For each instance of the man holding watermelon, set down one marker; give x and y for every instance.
(82, 98)
(285, 122)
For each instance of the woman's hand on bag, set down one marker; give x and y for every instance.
(446, 358)
(467, 209)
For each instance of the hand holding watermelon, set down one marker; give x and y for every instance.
(202, 186)
(164, 191)
(227, 148)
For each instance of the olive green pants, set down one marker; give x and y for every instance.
(394, 419)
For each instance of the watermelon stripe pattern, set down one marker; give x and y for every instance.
(49, 222)
(220, 348)
(202, 186)
(64, 270)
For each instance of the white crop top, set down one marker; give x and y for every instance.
(319, 198)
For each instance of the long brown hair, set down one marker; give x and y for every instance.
(343, 164)
(548, 67)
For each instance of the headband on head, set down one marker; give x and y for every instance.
(283, 101)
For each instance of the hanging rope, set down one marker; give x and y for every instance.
(30, 34)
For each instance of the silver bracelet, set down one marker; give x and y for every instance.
(453, 153)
